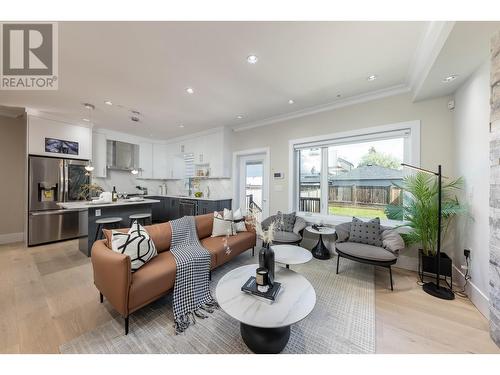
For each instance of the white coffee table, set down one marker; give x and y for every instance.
(291, 254)
(264, 327)
(320, 251)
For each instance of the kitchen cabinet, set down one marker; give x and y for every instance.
(99, 155)
(160, 161)
(207, 207)
(145, 160)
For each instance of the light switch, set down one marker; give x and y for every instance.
(98, 212)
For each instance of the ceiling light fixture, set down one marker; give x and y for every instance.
(450, 78)
(339, 96)
(134, 118)
(239, 117)
(86, 119)
(181, 126)
(108, 102)
(291, 101)
(371, 78)
(252, 59)
(190, 90)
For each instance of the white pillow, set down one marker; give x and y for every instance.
(228, 214)
(239, 221)
(221, 227)
(136, 244)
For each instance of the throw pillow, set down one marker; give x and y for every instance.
(392, 241)
(221, 227)
(342, 231)
(136, 244)
(288, 221)
(239, 221)
(368, 233)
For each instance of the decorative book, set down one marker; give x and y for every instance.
(251, 287)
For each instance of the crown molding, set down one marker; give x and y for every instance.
(357, 99)
(430, 45)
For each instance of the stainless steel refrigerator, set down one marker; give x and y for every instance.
(51, 181)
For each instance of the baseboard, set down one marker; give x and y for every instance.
(11, 237)
(407, 262)
(476, 296)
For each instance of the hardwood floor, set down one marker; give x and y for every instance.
(48, 297)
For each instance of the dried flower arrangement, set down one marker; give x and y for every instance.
(266, 235)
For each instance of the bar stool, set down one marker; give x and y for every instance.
(143, 219)
(106, 223)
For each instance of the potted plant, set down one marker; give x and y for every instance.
(419, 212)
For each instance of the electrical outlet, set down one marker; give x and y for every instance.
(98, 212)
(467, 253)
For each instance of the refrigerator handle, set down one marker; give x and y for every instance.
(65, 170)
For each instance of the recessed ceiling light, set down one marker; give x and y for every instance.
(86, 119)
(450, 78)
(291, 101)
(134, 118)
(339, 96)
(89, 106)
(252, 59)
(239, 117)
(108, 102)
(373, 77)
(190, 90)
(181, 126)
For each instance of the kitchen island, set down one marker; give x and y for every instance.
(122, 208)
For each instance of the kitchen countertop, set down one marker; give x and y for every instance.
(182, 197)
(121, 202)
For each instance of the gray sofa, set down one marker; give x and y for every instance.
(282, 236)
(384, 256)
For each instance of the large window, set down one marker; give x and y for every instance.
(354, 176)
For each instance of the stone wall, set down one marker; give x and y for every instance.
(495, 191)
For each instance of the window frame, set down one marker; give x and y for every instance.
(411, 156)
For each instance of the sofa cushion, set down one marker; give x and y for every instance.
(137, 244)
(204, 225)
(152, 280)
(364, 251)
(392, 240)
(286, 237)
(368, 233)
(238, 244)
(342, 231)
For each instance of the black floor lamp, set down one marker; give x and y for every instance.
(434, 289)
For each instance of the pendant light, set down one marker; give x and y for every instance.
(89, 167)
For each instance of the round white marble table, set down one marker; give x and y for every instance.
(291, 254)
(320, 251)
(265, 327)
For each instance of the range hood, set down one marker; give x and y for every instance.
(122, 156)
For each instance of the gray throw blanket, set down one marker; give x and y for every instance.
(191, 289)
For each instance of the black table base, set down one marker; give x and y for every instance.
(320, 251)
(265, 340)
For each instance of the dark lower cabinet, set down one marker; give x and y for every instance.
(171, 208)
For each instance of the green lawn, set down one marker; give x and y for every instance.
(357, 211)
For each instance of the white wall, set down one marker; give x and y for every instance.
(471, 130)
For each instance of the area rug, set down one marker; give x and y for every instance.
(343, 320)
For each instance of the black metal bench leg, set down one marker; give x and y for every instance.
(126, 325)
(390, 275)
(253, 250)
(101, 297)
(338, 260)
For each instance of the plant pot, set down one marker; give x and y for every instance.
(428, 264)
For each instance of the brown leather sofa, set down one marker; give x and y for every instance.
(128, 291)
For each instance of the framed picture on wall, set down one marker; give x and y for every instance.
(60, 146)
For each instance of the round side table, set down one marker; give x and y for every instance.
(320, 251)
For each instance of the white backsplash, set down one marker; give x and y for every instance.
(127, 182)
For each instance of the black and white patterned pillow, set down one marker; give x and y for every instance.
(368, 233)
(136, 244)
(288, 221)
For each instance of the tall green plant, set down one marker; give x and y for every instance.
(419, 210)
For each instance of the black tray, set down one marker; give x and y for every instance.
(251, 287)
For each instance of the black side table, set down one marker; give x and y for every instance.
(320, 251)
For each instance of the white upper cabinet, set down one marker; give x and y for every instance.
(99, 155)
(160, 161)
(145, 160)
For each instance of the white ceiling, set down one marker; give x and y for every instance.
(146, 66)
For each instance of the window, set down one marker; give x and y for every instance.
(351, 176)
